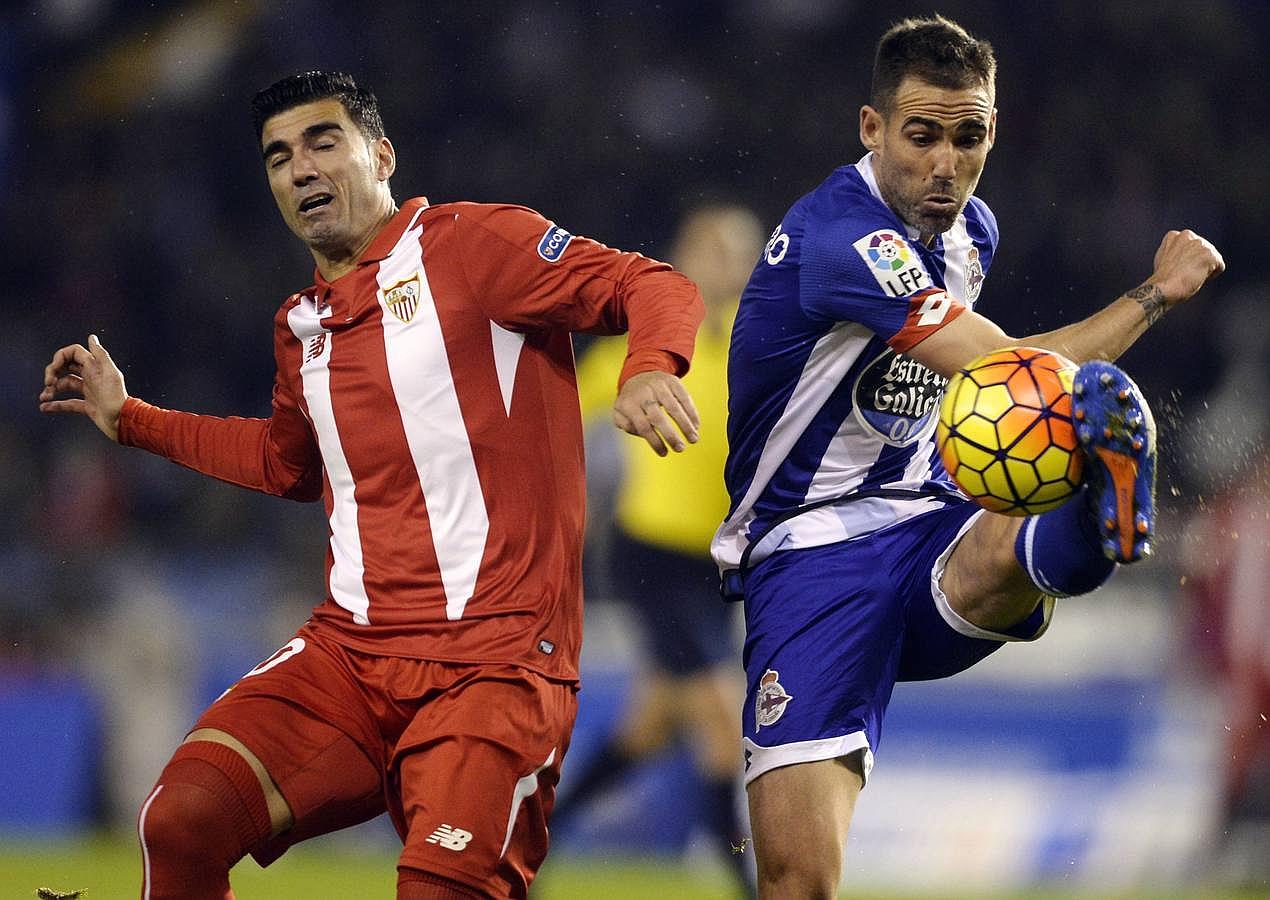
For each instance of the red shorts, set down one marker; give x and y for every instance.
(465, 757)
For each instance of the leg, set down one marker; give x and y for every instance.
(645, 728)
(264, 768)
(983, 580)
(206, 811)
(707, 712)
(280, 817)
(650, 724)
(800, 815)
(825, 634)
(995, 578)
(476, 770)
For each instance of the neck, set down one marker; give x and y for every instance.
(335, 262)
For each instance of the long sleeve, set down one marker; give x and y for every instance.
(529, 274)
(276, 455)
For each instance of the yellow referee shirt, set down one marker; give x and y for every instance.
(676, 501)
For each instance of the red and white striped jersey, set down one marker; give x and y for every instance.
(428, 397)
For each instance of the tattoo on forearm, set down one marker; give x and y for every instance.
(1151, 299)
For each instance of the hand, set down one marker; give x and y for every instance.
(1183, 263)
(93, 380)
(657, 407)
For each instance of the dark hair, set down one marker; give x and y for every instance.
(935, 50)
(295, 90)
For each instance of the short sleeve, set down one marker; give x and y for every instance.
(863, 269)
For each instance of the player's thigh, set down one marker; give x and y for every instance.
(477, 770)
(800, 816)
(940, 638)
(301, 714)
(983, 580)
(824, 632)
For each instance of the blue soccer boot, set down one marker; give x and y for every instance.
(1117, 433)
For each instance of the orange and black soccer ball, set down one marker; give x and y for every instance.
(1005, 431)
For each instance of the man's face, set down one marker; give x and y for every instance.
(929, 150)
(329, 181)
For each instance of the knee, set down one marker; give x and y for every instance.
(177, 820)
(798, 875)
(207, 803)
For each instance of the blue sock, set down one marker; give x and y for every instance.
(1061, 550)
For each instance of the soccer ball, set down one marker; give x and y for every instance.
(1005, 431)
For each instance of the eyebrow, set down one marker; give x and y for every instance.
(968, 124)
(309, 134)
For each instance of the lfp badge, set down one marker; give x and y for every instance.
(888, 252)
(892, 262)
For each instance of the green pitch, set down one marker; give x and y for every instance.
(106, 868)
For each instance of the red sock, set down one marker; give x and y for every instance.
(413, 884)
(206, 811)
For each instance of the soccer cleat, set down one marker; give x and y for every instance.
(1117, 433)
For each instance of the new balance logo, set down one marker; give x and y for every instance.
(450, 838)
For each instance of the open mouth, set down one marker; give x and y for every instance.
(317, 201)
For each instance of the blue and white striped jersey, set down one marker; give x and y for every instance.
(823, 402)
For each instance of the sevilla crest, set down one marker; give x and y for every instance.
(403, 298)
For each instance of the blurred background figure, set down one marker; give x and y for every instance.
(654, 543)
(1226, 573)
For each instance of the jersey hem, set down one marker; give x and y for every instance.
(377, 647)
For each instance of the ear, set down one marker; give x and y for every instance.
(871, 127)
(992, 128)
(385, 158)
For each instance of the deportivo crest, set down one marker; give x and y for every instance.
(403, 298)
(553, 243)
(974, 274)
(770, 700)
(897, 398)
(893, 263)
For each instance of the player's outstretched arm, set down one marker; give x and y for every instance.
(657, 407)
(1184, 262)
(85, 380)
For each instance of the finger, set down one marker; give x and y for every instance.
(685, 400)
(639, 426)
(652, 410)
(66, 384)
(643, 427)
(97, 349)
(671, 420)
(69, 358)
(63, 406)
(654, 440)
(667, 429)
(680, 408)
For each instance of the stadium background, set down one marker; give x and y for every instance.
(1113, 757)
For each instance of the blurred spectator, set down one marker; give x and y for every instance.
(1227, 566)
(659, 565)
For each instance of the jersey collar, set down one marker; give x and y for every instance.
(383, 243)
